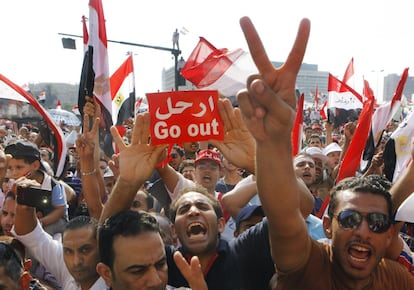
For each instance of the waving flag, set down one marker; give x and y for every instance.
(348, 75)
(349, 72)
(123, 92)
(297, 132)
(209, 68)
(96, 67)
(17, 108)
(380, 119)
(344, 103)
(397, 151)
(85, 34)
(352, 158)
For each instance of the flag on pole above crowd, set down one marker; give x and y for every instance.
(85, 34)
(397, 151)
(297, 132)
(316, 98)
(96, 63)
(350, 163)
(51, 133)
(348, 75)
(344, 103)
(123, 92)
(380, 119)
(209, 68)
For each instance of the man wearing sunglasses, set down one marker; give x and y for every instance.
(359, 222)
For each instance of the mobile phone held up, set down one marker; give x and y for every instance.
(34, 197)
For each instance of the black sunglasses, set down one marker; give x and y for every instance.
(173, 155)
(351, 219)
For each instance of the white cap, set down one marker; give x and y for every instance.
(316, 152)
(333, 147)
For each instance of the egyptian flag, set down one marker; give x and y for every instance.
(348, 75)
(123, 92)
(209, 68)
(297, 132)
(96, 66)
(20, 106)
(344, 103)
(380, 119)
(397, 151)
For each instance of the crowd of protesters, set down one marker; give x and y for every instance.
(241, 213)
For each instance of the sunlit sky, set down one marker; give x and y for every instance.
(378, 34)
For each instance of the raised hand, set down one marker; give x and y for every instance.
(271, 115)
(137, 160)
(238, 145)
(85, 142)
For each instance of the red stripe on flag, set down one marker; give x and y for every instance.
(56, 130)
(120, 75)
(298, 127)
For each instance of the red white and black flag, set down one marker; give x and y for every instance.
(123, 92)
(96, 67)
(21, 107)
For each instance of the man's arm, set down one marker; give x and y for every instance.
(137, 161)
(268, 107)
(86, 144)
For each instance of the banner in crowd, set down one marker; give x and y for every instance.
(184, 116)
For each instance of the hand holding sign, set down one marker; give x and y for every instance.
(238, 145)
(137, 160)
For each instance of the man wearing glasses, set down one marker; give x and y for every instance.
(359, 222)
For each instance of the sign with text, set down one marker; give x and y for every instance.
(184, 116)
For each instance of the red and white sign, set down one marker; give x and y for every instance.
(184, 116)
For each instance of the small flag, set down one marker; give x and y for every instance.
(297, 132)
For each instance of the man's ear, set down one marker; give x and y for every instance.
(221, 224)
(105, 272)
(327, 226)
(36, 164)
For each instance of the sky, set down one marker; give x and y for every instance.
(379, 35)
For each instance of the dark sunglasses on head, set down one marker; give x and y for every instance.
(351, 219)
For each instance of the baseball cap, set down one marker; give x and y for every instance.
(207, 154)
(333, 147)
(247, 212)
(22, 148)
(315, 152)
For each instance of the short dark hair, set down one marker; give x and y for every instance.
(200, 189)
(81, 221)
(179, 150)
(11, 261)
(126, 224)
(185, 163)
(373, 185)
